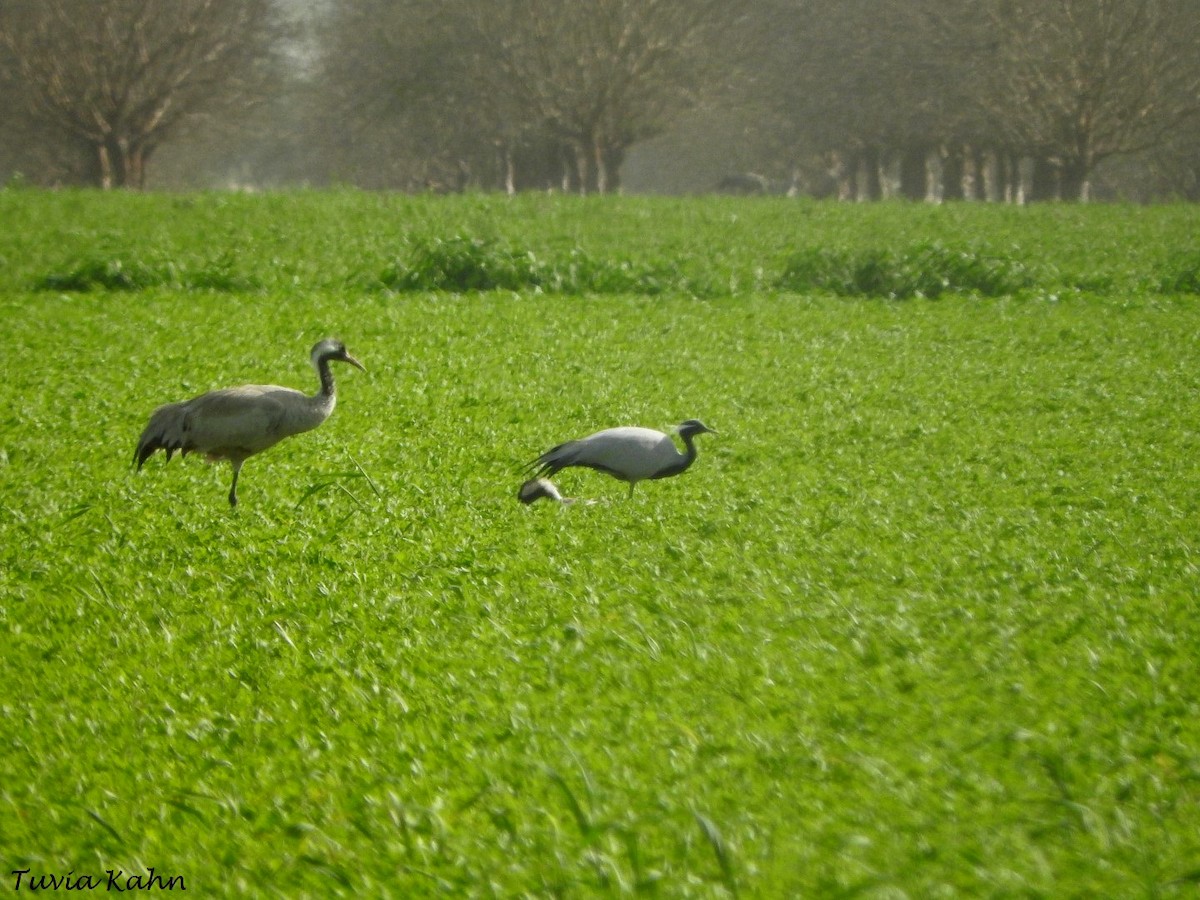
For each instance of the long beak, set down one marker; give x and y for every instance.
(346, 357)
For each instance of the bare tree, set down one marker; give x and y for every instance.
(510, 93)
(966, 98)
(864, 92)
(400, 102)
(600, 75)
(114, 79)
(1075, 82)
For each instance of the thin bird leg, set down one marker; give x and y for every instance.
(632, 485)
(237, 468)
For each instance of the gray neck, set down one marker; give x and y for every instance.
(328, 389)
(682, 462)
(689, 441)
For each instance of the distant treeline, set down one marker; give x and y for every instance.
(998, 100)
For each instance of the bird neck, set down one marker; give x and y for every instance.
(328, 388)
(689, 456)
(682, 460)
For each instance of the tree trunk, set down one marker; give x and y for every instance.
(952, 173)
(133, 165)
(933, 176)
(970, 173)
(106, 167)
(120, 164)
(582, 169)
(889, 174)
(1073, 180)
(912, 174)
(1023, 171)
(1010, 175)
(866, 176)
(1046, 181)
(842, 173)
(613, 158)
(601, 165)
(990, 172)
(795, 189)
(567, 174)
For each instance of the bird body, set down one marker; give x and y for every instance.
(628, 453)
(236, 423)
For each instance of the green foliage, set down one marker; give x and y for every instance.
(925, 270)
(720, 248)
(920, 620)
(1181, 275)
(111, 273)
(106, 273)
(460, 265)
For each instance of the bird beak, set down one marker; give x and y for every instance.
(346, 357)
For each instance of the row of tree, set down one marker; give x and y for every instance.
(1000, 99)
(91, 89)
(990, 99)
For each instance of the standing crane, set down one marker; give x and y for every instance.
(628, 454)
(236, 423)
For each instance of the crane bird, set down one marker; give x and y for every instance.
(236, 423)
(628, 454)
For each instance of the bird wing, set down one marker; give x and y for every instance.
(628, 453)
(551, 461)
(246, 419)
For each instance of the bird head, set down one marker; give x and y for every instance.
(331, 349)
(539, 488)
(693, 426)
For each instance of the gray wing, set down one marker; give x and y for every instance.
(241, 420)
(245, 419)
(627, 453)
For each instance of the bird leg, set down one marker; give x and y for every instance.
(237, 468)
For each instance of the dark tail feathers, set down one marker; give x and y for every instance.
(163, 432)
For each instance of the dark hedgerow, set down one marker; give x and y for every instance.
(113, 273)
(465, 264)
(105, 274)
(221, 276)
(1182, 276)
(924, 270)
(462, 264)
(582, 273)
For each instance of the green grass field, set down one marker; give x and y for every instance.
(921, 621)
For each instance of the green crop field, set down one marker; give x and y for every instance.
(921, 621)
